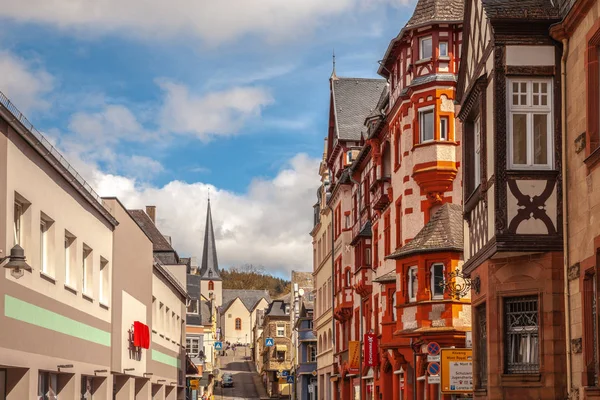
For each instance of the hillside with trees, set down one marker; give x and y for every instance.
(253, 277)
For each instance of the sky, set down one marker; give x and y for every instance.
(160, 103)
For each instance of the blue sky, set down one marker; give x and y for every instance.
(228, 95)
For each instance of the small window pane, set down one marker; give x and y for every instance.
(519, 139)
(523, 99)
(426, 48)
(438, 280)
(515, 86)
(540, 139)
(443, 49)
(426, 125)
(544, 86)
(523, 87)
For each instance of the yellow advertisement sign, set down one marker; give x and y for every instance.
(194, 384)
(456, 371)
(354, 355)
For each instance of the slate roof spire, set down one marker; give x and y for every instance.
(209, 269)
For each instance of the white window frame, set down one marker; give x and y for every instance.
(197, 303)
(422, 111)
(433, 285)
(18, 223)
(278, 333)
(421, 40)
(412, 275)
(44, 256)
(440, 48)
(444, 125)
(87, 271)
(190, 343)
(104, 292)
(477, 158)
(529, 110)
(393, 305)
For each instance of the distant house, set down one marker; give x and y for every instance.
(277, 359)
(238, 314)
(306, 365)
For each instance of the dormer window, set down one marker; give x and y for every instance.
(425, 48)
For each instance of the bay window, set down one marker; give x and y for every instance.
(425, 48)
(530, 133)
(437, 280)
(192, 346)
(413, 284)
(426, 124)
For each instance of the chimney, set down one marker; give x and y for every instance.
(151, 211)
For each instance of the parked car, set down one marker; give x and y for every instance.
(227, 380)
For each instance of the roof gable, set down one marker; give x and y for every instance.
(159, 242)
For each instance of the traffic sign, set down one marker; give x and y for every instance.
(433, 349)
(457, 371)
(433, 379)
(433, 368)
(285, 373)
(218, 345)
(431, 358)
(269, 342)
(290, 379)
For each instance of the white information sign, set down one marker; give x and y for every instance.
(431, 358)
(433, 379)
(461, 376)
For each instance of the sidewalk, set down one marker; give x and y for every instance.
(260, 389)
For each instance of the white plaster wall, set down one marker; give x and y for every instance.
(530, 55)
(45, 195)
(164, 294)
(132, 310)
(237, 310)
(218, 292)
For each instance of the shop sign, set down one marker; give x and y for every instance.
(456, 371)
(371, 350)
(354, 356)
(138, 338)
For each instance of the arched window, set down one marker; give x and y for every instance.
(238, 324)
(329, 339)
(211, 285)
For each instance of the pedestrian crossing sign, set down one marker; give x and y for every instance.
(290, 379)
(218, 345)
(269, 342)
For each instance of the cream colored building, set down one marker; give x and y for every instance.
(55, 319)
(67, 318)
(238, 314)
(323, 291)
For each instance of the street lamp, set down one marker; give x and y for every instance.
(16, 262)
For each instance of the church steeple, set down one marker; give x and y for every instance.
(209, 269)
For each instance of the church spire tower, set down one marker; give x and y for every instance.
(209, 268)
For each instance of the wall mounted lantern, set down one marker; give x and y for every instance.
(16, 262)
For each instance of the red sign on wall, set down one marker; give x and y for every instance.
(141, 335)
(371, 350)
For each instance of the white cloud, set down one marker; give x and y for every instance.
(213, 114)
(268, 225)
(212, 21)
(23, 82)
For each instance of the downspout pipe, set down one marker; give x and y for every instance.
(565, 186)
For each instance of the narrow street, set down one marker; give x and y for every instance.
(243, 377)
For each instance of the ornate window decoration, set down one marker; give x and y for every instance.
(521, 338)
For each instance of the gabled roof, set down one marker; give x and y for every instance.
(277, 309)
(428, 11)
(159, 242)
(209, 268)
(522, 9)
(354, 99)
(250, 298)
(444, 232)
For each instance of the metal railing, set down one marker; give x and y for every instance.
(47, 145)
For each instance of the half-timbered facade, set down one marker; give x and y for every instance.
(510, 89)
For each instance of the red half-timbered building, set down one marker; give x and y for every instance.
(351, 101)
(413, 159)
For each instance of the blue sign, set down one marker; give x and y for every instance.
(269, 342)
(285, 374)
(433, 368)
(290, 379)
(218, 345)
